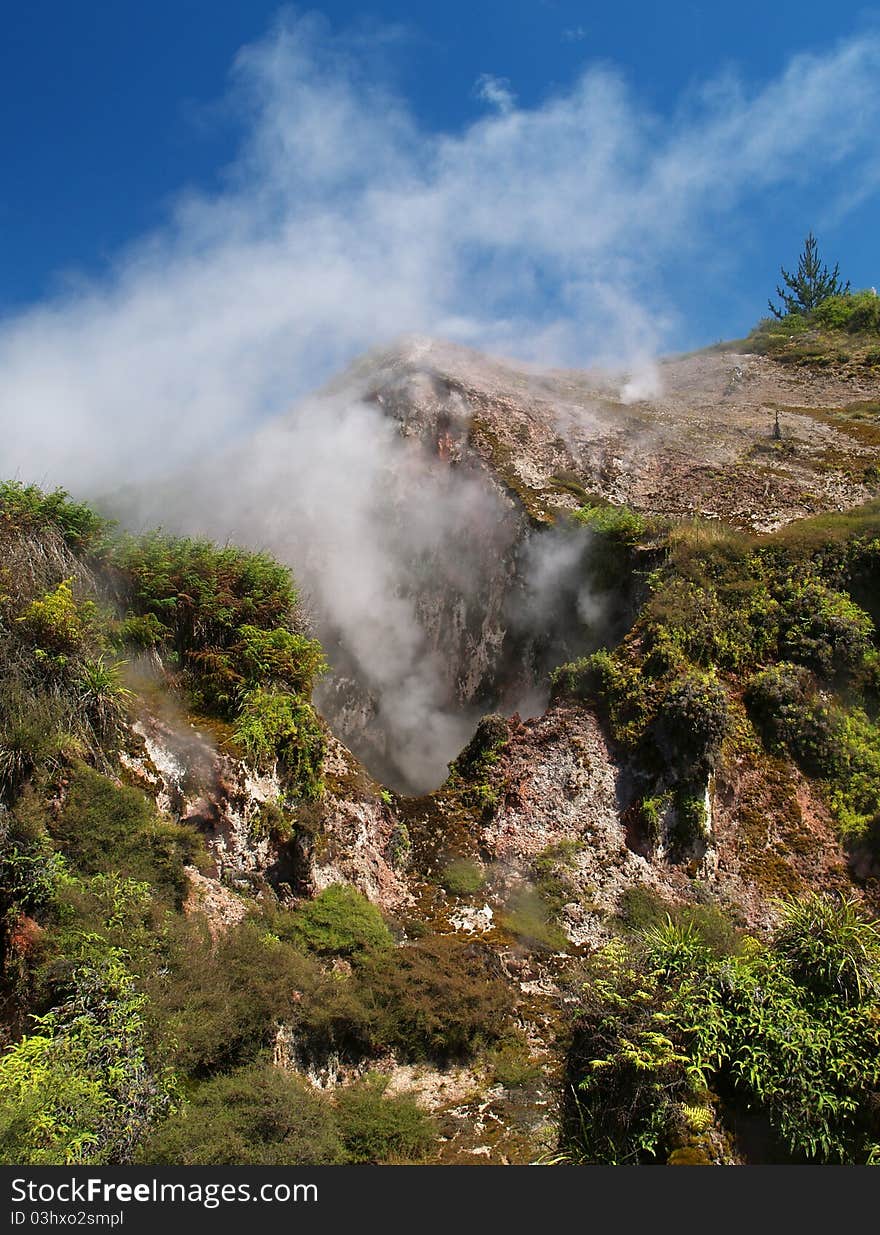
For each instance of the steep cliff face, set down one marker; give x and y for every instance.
(695, 435)
(416, 496)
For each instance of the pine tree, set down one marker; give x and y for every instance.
(812, 283)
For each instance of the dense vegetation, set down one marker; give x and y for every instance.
(683, 1033)
(133, 1032)
(743, 641)
(136, 1032)
(842, 329)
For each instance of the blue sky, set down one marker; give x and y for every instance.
(110, 108)
(207, 207)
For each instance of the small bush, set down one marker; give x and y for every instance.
(617, 522)
(830, 947)
(375, 1128)
(258, 1115)
(462, 877)
(218, 1005)
(529, 917)
(511, 1064)
(276, 726)
(106, 828)
(483, 750)
(30, 736)
(855, 313)
(439, 998)
(692, 722)
(141, 630)
(26, 508)
(58, 623)
(823, 629)
(79, 1088)
(340, 921)
(101, 697)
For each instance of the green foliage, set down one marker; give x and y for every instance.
(279, 655)
(272, 823)
(58, 623)
(841, 746)
(462, 877)
(79, 1089)
(377, 1128)
(856, 312)
(109, 828)
(810, 285)
(792, 1029)
(642, 909)
(439, 998)
(102, 697)
(627, 1071)
(511, 1063)
(483, 750)
(472, 772)
(142, 630)
(691, 723)
(830, 948)
(617, 522)
(727, 613)
(30, 737)
(26, 508)
(340, 921)
(823, 629)
(204, 594)
(276, 726)
(529, 917)
(215, 1006)
(258, 1115)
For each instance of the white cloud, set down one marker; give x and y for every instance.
(537, 231)
(496, 92)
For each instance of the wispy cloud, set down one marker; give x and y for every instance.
(496, 92)
(545, 232)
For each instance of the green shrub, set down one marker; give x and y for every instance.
(856, 313)
(279, 655)
(26, 508)
(830, 948)
(617, 522)
(641, 909)
(529, 917)
(692, 722)
(272, 823)
(823, 629)
(258, 1115)
(375, 1128)
(438, 998)
(102, 697)
(462, 877)
(511, 1063)
(30, 736)
(215, 1006)
(58, 623)
(275, 726)
(792, 1030)
(108, 828)
(141, 630)
(201, 593)
(340, 921)
(854, 790)
(483, 750)
(79, 1089)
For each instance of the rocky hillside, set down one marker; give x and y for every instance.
(417, 491)
(660, 592)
